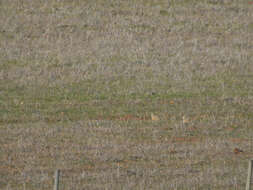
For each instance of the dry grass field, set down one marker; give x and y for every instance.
(80, 80)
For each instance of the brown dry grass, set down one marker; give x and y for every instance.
(80, 79)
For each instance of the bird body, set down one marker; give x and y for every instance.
(154, 117)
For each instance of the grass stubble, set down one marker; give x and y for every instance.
(80, 79)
